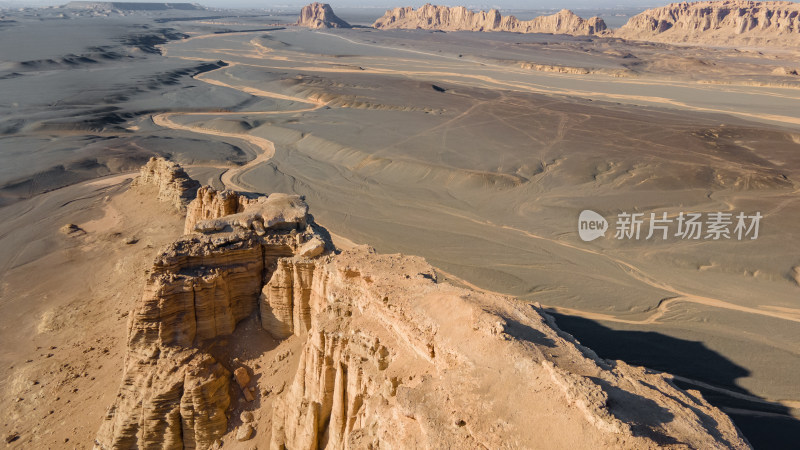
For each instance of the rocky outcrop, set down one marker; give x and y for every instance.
(214, 211)
(174, 394)
(432, 17)
(784, 71)
(388, 356)
(178, 399)
(741, 23)
(392, 358)
(320, 15)
(199, 288)
(556, 69)
(173, 184)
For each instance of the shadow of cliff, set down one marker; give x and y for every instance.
(630, 407)
(524, 332)
(765, 425)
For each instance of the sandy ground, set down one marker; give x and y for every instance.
(452, 146)
(66, 297)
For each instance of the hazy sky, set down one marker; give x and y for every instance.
(500, 4)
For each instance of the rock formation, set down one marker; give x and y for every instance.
(390, 356)
(173, 394)
(320, 15)
(784, 71)
(175, 399)
(432, 17)
(173, 184)
(393, 358)
(214, 210)
(743, 23)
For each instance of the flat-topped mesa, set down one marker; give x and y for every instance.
(173, 184)
(320, 15)
(718, 23)
(459, 18)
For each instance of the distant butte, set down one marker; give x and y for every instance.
(320, 15)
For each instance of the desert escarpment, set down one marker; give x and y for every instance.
(320, 15)
(389, 356)
(173, 184)
(459, 18)
(393, 358)
(718, 23)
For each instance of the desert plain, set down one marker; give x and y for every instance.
(477, 151)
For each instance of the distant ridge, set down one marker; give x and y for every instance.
(459, 18)
(135, 6)
(729, 22)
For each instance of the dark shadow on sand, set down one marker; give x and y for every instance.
(775, 430)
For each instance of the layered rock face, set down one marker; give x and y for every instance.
(173, 184)
(432, 17)
(320, 15)
(718, 23)
(389, 356)
(173, 400)
(173, 394)
(286, 301)
(394, 359)
(214, 210)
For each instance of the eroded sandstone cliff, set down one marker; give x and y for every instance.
(174, 185)
(459, 18)
(320, 15)
(729, 22)
(174, 394)
(388, 356)
(392, 358)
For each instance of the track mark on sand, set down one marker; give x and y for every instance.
(643, 277)
(255, 91)
(265, 149)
